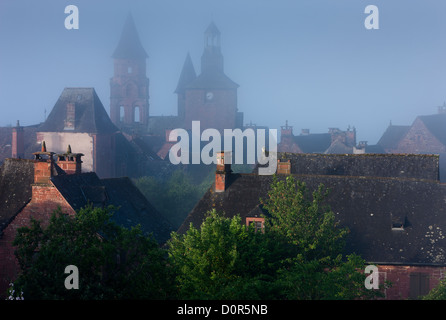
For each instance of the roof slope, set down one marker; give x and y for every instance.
(16, 177)
(392, 136)
(369, 194)
(129, 46)
(187, 75)
(90, 115)
(366, 205)
(132, 207)
(212, 80)
(313, 143)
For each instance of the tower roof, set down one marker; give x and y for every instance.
(187, 74)
(212, 29)
(88, 113)
(129, 46)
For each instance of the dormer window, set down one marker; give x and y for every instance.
(257, 223)
(398, 222)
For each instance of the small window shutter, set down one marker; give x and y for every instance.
(419, 285)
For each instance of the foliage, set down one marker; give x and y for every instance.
(302, 219)
(299, 256)
(221, 260)
(113, 262)
(437, 293)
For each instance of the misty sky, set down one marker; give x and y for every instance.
(311, 62)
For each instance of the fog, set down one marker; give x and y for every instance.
(311, 62)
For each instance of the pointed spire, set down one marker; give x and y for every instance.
(129, 46)
(43, 146)
(69, 149)
(212, 30)
(187, 74)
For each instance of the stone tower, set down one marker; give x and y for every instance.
(211, 97)
(129, 86)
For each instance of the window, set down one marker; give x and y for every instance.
(258, 223)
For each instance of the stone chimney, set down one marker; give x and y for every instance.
(43, 166)
(18, 144)
(70, 162)
(223, 171)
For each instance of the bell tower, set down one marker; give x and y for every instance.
(212, 58)
(129, 86)
(211, 97)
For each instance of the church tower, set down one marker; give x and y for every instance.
(129, 86)
(211, 98)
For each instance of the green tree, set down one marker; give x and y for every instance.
(437, 293)
(223, 259)
(113, 262)
(316, 268)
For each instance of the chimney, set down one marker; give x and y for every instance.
(286, 130)
(43, 165)
(223, 171)
(70, 162)
(283, 167)
(18, 145)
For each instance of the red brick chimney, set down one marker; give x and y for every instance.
(70, 162)
(18, 146)
(283, 167)
(43, 165)
(223, 171)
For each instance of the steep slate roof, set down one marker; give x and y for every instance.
(187, 75)
(16, 177)
(90, 115)
(133, 207)
(339, 147)
(392, 136)
(313, 143)
(368, 205)
(129, 46)
(212, 80)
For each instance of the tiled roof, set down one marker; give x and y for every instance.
(367, 205)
